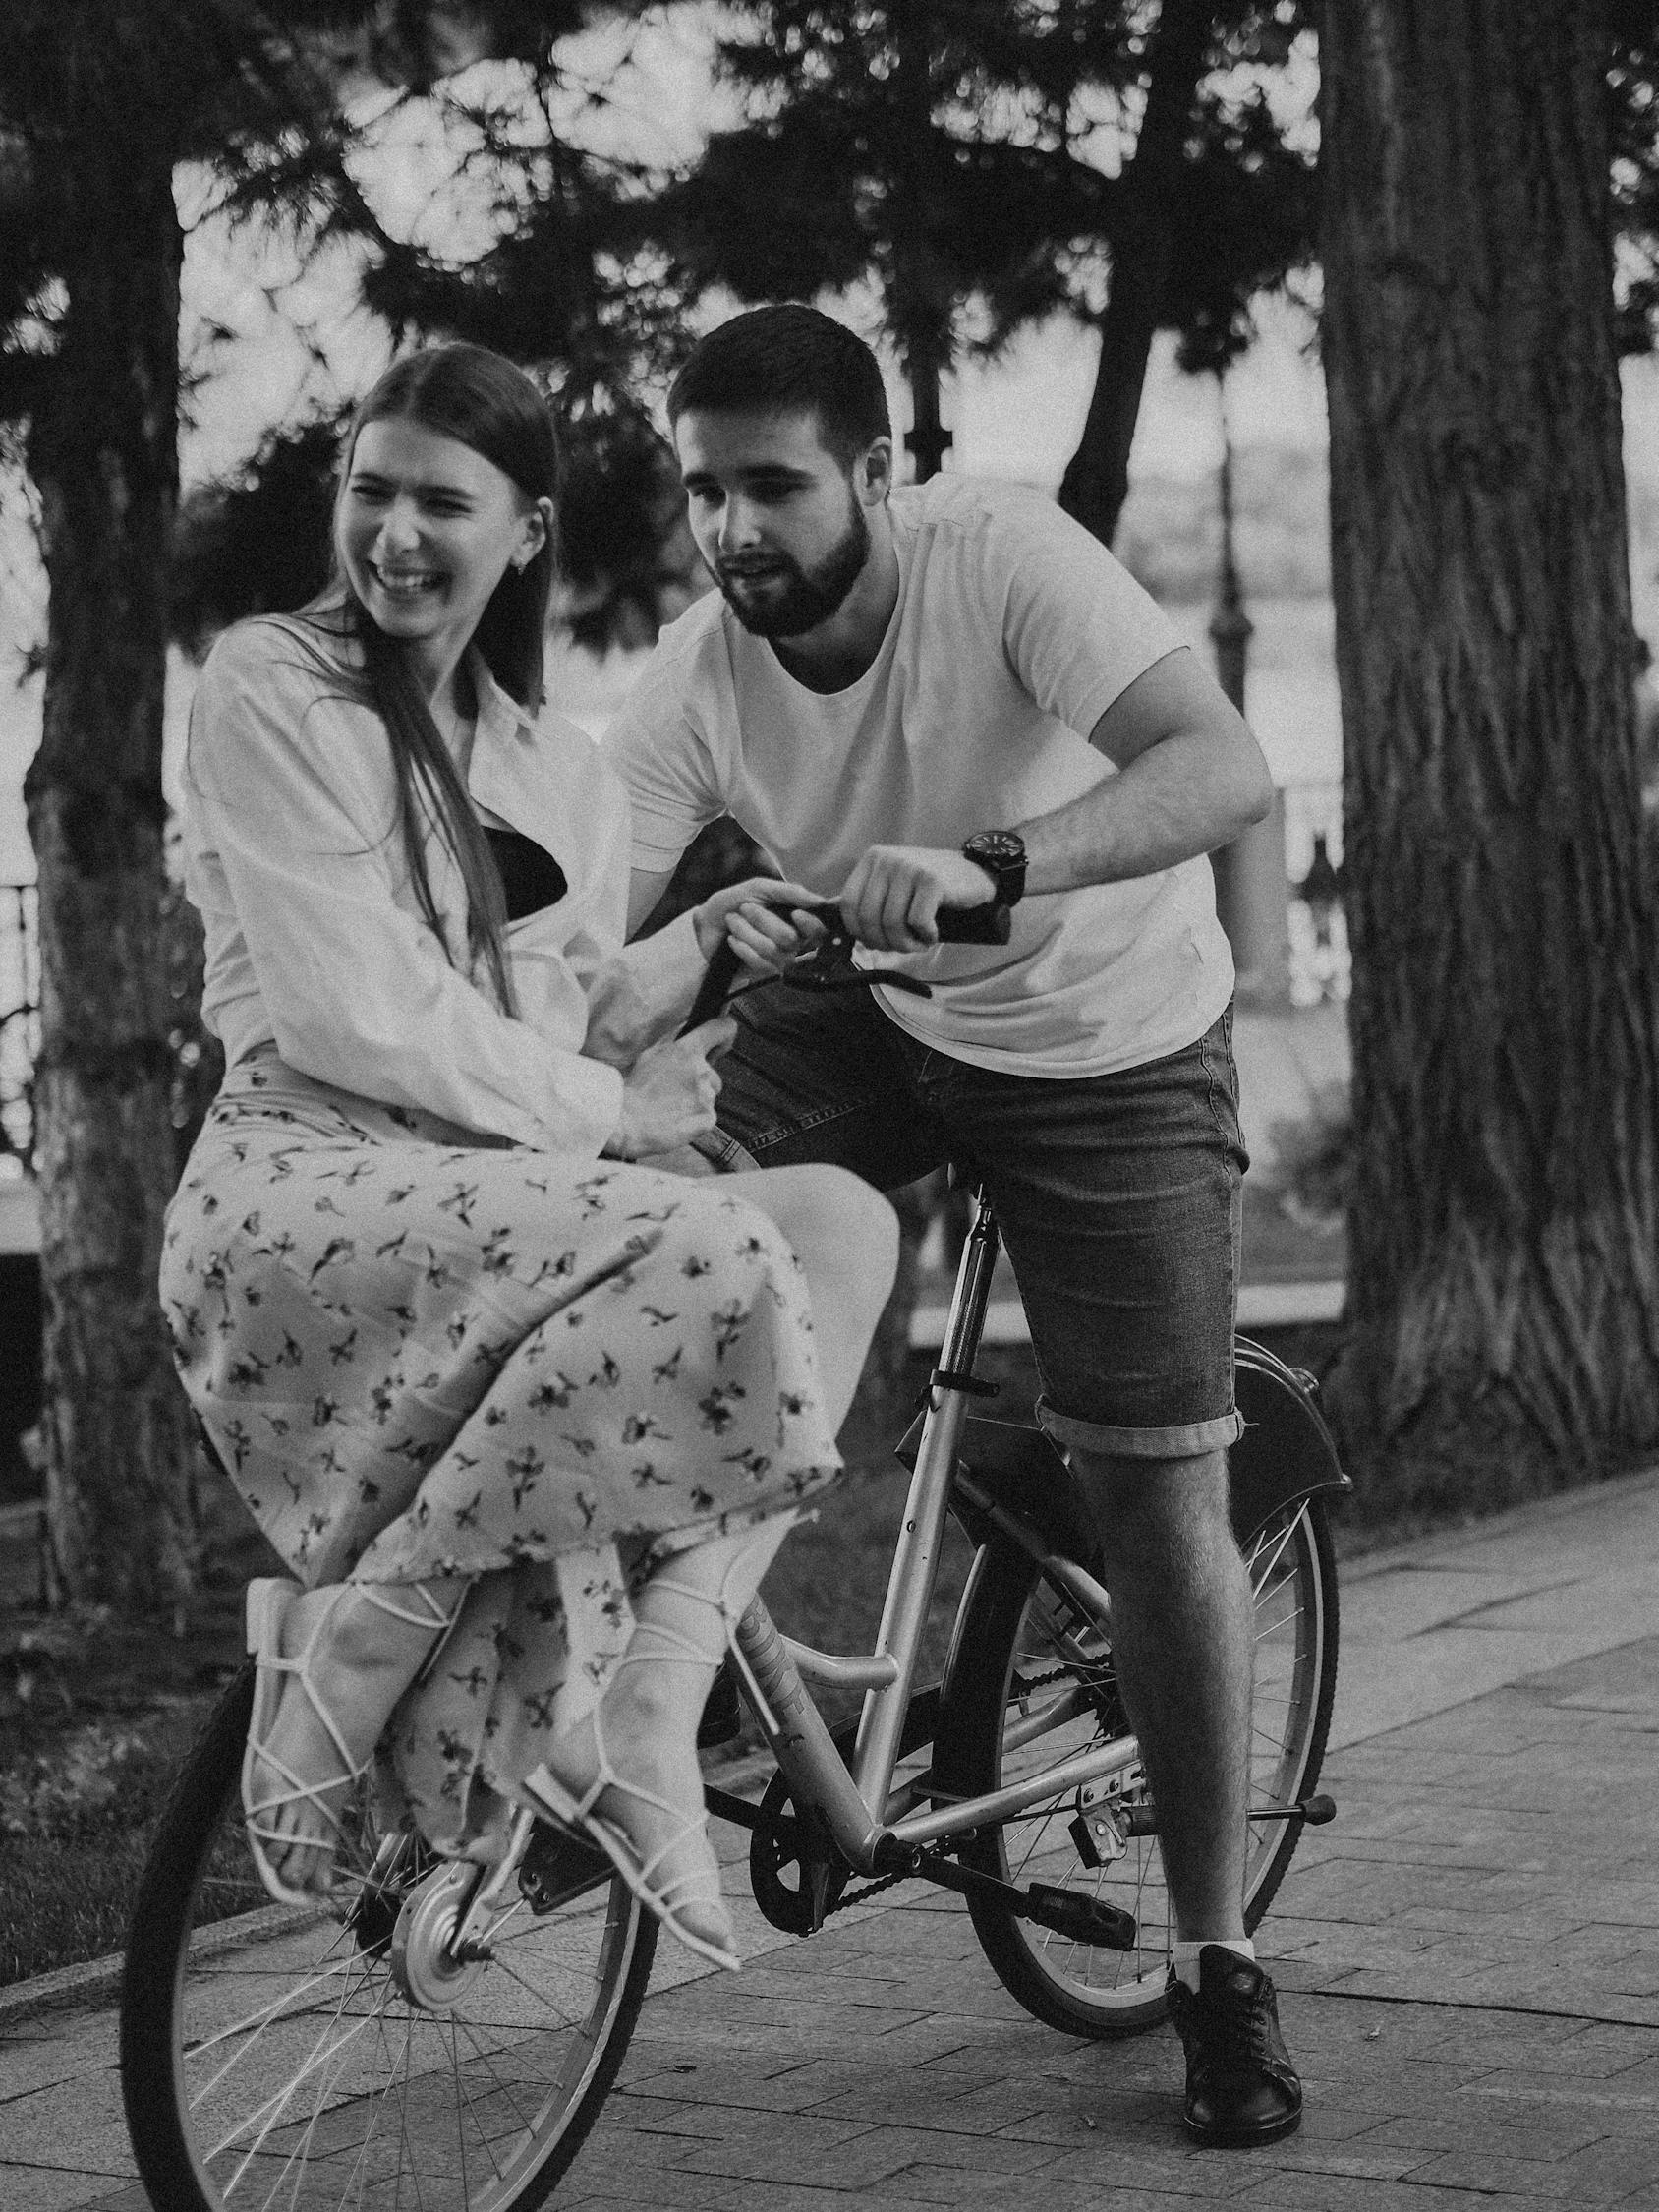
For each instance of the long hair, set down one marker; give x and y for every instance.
(483, 401)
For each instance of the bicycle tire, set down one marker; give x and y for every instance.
(1016, 1634)
(303, 2097)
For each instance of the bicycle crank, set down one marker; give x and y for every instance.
(1086, 1920)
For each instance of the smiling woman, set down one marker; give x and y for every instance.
(455, 1334)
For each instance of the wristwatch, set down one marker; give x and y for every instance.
(1001, 855)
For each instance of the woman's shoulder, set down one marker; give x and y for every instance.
(297, 651)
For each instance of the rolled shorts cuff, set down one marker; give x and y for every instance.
(1187, 1439)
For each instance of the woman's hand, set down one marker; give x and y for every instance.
(763, 921)
(668, 1094)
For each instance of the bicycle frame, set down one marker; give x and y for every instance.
(867, 1824)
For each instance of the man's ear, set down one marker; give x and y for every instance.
(872, 473)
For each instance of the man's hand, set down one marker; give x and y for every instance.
(892, 899)
(762, 921)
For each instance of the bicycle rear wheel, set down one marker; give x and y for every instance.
(1031, 1684)
(339, 2057)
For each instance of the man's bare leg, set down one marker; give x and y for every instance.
(1182, 1636)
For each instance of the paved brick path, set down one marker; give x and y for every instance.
(1469, 1959)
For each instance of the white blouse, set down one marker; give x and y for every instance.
(314, 939)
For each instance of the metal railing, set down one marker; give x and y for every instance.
(1320, 965)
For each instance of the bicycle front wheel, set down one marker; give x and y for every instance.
(1032, 1684)
(342, 2056)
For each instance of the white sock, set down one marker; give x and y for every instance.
(1184, 1957)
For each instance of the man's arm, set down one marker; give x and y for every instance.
(1191, 778)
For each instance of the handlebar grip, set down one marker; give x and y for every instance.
(975, 925)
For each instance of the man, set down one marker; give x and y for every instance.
(915, 699)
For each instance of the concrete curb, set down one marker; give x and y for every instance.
(1389, 1558)
(65, 1986)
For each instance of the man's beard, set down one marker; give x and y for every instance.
(797, 600)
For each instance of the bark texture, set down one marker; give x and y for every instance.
(1504, 1297)
(102, 453)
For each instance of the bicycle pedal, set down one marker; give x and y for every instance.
(559, 1866)
(1086, 1920)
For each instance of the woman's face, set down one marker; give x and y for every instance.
(425, 529)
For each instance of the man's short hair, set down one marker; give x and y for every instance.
(794, 360)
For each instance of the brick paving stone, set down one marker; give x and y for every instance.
(1601, 2175)
(593, 2183)
(38, 2189)
(1180, 2171)
(895, 2196)
(127, 2196)
(1536, 2099)
(1475, 2134)
(797, 2087)
(1335, 2193)
(906, 2098)
(1042, 2193)
(812, 2138)
(957, 2154)
(773, 2158)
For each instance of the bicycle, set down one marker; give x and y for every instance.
(446, 2035)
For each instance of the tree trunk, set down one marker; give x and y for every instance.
(102, 453)
(1096, 482)
(1503, 1229)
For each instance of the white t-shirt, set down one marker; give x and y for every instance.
(1014, 631)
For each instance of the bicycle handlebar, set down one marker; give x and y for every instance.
(828, 965)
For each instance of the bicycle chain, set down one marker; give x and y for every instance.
(871, 1890)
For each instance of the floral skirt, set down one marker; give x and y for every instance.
(424, 1356)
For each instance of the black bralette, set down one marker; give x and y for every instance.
(530, 876)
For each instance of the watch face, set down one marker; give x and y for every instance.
(1002, 853)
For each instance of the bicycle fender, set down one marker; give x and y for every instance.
(1285, 1453)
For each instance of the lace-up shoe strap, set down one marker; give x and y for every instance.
(1241, 2088)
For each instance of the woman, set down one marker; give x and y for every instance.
(490, 1388)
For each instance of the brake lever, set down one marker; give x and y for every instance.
(828, 966)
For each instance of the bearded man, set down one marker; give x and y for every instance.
(930, 696)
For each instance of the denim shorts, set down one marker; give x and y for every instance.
(1120, 1197)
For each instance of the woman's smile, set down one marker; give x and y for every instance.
(405, 583)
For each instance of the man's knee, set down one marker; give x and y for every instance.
(1150, 1510)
